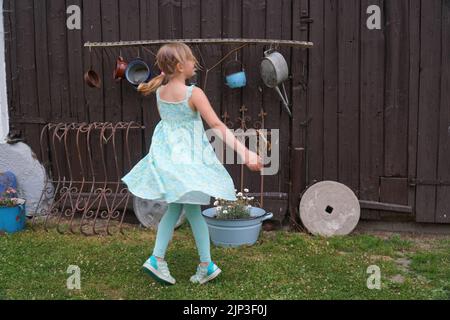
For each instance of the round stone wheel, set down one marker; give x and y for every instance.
(31, 176)
(150, 212)
(329, 208)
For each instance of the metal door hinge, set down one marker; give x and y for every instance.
(306, 19)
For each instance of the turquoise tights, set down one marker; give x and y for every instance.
(198, 226)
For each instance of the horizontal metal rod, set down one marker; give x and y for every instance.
(292, 43)
(414, 182)
(269, 195)
(374, 205)
(87, 182)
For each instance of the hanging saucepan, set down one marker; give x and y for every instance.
(91, 77)
(274, 70)
(137, 72)
(236, 79)
(121, 67)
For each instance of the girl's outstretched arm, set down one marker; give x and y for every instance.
(203, 106)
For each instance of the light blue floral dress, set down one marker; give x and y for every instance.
(181, 165)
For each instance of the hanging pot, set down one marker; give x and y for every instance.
(137, 72)
(237, 79)
(91, 77)
(119, 71)
(274, 71)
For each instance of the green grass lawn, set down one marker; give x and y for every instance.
(282, 265)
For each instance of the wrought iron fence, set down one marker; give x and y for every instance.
(83, 194)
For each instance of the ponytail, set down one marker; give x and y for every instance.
(148, 87)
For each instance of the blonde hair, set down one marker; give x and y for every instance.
(167, 58)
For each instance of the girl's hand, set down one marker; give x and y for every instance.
(253, 161)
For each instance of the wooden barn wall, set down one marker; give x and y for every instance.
(370, 106)
(378, 104)
(46, 63)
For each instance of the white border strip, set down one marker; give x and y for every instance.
(4, 118)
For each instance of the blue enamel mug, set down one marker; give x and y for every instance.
(237, 79)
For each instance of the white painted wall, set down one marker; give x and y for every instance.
(4, 119)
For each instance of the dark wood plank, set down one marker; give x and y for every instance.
(443, 192)
(232, 98)
(397, 88)
(11, 64)
(42, 61)
(26, 70)
(394, 190)
(42, 69)
(58, 60)
(12, 67)
(192, 24)
(299, 106)
(191, 13)
(7, 28)
(170, 24)
(76, 89)
(429, 104)
(211, 27)
(349, 86)
(330, 112)
(276, 20)
(371, 114)
(315, 136)
(131, 99)
(112, 88)
(76, 69)
(284, 119)
(150, 30)
(414, 74)
(94, 102)
(253, 26)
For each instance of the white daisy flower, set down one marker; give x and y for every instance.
(239, 194)
(245, 190)
(216, 203)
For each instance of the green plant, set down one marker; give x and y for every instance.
(9, 198)
(239, 209)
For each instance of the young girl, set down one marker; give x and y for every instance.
(168, 171)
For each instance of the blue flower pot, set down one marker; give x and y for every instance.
(235, 232)
(12, 219)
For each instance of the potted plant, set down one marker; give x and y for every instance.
(12, 211)
(235, 223)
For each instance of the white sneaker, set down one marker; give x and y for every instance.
(158, 270)
(205, 273)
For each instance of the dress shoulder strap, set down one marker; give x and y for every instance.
(189, 91)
